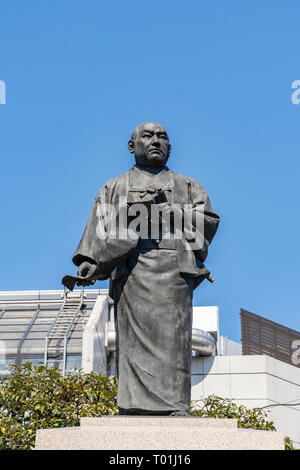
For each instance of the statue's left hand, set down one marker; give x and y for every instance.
(86, 269)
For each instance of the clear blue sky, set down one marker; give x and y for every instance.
(81, 75)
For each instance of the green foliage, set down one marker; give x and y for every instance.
(288, 444)
(34, 398)
(218, 407)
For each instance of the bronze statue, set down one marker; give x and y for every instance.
(152, 278)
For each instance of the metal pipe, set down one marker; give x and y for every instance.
(64, 356)
(202, 342)
(18, 358)
(46, 351)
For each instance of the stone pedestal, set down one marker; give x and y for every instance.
(157, 433)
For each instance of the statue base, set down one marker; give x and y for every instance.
(157, 433)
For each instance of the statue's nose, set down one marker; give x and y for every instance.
(155, 140)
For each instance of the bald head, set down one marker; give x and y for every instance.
(147, 125)
(150, 144)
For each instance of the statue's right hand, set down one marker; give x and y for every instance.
(86, 269)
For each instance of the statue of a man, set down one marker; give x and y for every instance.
(151, 277)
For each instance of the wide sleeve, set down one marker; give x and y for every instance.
(94, 237)
(202, 222)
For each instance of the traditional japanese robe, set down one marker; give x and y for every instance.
(151, 282)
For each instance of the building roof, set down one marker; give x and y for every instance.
(263, 336)
(27, 316)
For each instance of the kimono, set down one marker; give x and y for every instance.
(151, 283)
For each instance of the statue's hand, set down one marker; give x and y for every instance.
(86, 269)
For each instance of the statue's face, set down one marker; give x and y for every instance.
(151, 145)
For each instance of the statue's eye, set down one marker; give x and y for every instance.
(146, 136)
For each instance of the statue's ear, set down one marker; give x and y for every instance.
(131, 146)
(169, 150)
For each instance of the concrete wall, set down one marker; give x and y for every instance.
(253, 381)
(207, 319)
(93, 339)
(227, 347)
